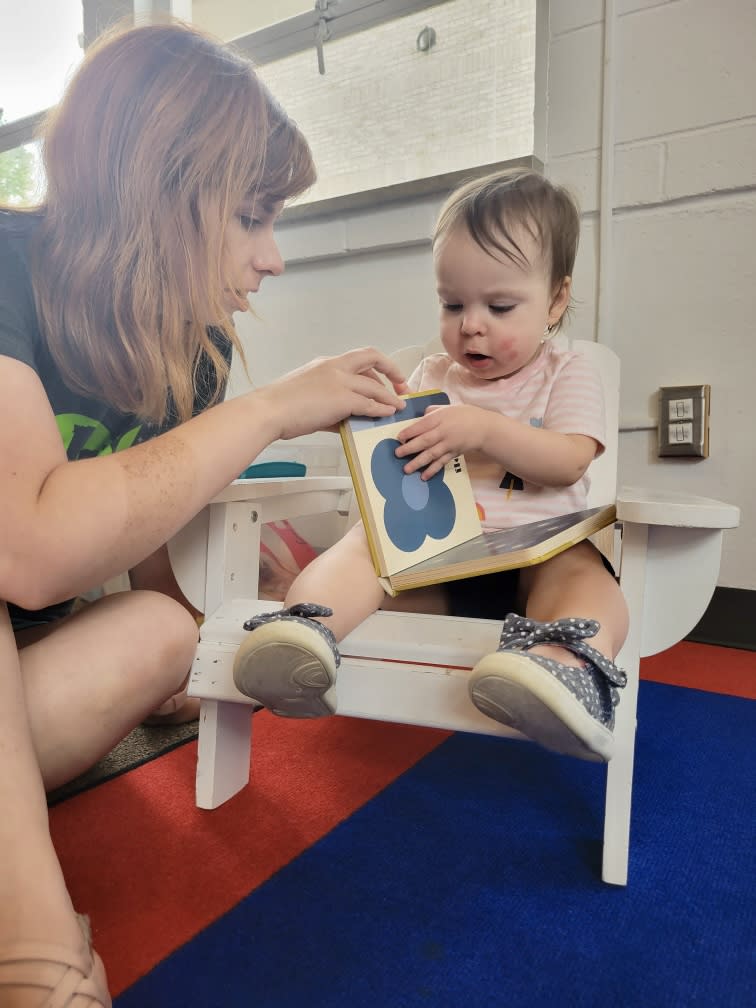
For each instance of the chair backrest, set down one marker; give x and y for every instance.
(603, 471)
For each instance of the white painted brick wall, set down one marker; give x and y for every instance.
(708, 160)
(683, 276)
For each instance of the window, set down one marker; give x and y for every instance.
(39, 47)
(447, 87)
(412, 89)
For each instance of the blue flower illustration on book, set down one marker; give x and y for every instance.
(414, 508)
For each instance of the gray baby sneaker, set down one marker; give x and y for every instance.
(288, 662)
(564, 708)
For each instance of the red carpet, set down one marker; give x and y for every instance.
(152, 870)
(701, 666)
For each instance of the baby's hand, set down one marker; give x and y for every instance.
(443, 433)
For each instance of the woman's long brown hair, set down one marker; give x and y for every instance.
(162, 135)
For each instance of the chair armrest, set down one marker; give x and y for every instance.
(217, 553)
(667, 507)
(671, 553)
(262, 489)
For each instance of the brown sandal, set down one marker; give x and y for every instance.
(37, 966)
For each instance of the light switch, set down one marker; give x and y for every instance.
(684, 420)
(680, 409)
(681, 433)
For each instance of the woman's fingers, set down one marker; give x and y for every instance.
(370, 387)
(327, 390)
(368, 358)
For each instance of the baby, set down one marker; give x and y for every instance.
(528, 415)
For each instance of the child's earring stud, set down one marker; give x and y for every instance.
(548, 331)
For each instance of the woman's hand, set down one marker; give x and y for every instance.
(324, 392)
(443, 433)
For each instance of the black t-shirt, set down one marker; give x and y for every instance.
(88, 426)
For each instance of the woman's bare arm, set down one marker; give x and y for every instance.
(68, 526)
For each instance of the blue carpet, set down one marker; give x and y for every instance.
(475, 880)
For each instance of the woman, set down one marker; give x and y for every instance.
(167, 164)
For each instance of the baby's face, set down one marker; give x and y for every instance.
(493, 311)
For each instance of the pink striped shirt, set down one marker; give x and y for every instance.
(560, 390)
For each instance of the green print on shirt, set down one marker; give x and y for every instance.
(84, 437)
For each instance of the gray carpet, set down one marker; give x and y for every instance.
(143, 744)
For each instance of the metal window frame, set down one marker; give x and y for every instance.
(20, 131)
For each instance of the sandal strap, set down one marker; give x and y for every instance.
(520, 634)
(305, 610)
(75, 980)
(78, 978)
(307, 613)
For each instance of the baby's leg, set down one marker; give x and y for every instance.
(342, 578)
(288, 661)
(553, 677)
(576, 584)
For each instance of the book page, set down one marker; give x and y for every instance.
(508, 547)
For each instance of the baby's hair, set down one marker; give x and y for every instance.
(163, 134)
(493, 209)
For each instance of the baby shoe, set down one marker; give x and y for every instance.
(288, 662)
(565, 708)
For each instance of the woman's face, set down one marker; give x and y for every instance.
(250, 252)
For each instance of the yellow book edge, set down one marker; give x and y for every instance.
(360, 494)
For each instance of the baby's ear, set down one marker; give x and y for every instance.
(561, 300)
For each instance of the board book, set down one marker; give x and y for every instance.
(504, 549)
(406, 519)
(427, 532)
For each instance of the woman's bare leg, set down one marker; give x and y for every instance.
(107, 667)
(65, 700)
(34, 902)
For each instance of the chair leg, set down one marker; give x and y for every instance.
(619, 774)
(619, 790)
(619, 777)
(223, 751)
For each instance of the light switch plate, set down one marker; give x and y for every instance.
(684, 420)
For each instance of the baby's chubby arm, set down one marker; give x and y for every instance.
(537, 455)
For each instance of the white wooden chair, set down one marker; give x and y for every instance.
(414, 668)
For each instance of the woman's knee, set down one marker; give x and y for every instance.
(166, 631)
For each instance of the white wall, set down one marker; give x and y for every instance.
(683, 275)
